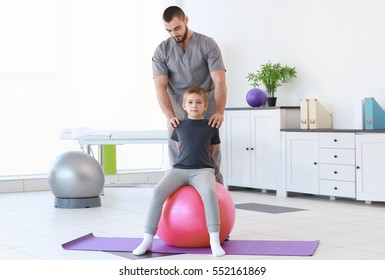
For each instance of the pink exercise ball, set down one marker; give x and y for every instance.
(183, 221)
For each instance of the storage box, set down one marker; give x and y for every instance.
(374, 115)
(314, 115)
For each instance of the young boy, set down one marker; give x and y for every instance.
(196, 142)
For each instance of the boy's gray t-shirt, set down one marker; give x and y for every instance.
(189, 68)
(195, 138)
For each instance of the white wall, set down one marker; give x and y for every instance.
(337, 47)
(60, 57)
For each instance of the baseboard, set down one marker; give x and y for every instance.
(31, 183)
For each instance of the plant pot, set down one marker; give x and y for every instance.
(271, 101)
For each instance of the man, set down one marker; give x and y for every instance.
(188, 59)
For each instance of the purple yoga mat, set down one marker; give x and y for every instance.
(90, 242)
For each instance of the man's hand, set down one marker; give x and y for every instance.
(173, 123)
(216, 120)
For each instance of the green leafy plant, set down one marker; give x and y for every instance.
(271, 76)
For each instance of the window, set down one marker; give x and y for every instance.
(83, 63)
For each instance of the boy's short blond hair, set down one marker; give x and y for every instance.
(197, 90)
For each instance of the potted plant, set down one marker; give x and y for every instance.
(271, 76)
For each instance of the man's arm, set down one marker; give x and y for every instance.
(161, 83)
(220, 94)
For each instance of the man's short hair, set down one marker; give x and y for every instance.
(171, 12)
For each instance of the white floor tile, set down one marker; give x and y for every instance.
(32, 228)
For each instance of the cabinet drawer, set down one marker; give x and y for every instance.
(337, 156)
(337, 188)
(336, 140)
(337, 172)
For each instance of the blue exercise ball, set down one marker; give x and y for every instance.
(256, 97)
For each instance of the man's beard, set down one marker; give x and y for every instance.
(181, 40)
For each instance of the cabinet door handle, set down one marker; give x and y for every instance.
(335, 188)
(358, 167)
(247, 149)
(252, 149)
(335, 140)
(315, 163)
(335, 172)
(335, 156)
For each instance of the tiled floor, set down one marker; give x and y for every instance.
(33, 229)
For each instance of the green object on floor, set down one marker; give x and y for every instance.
(109, 159)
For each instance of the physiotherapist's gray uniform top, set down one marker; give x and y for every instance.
(190, 68)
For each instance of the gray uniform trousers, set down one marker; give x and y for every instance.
(203, 180)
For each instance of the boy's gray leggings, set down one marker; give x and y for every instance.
(203, 180)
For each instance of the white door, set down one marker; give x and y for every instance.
(370, 172)
(302, 162)
(238, 148)
(265, 142)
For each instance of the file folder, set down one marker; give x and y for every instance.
(319, 117)
(374, 115)
(314, 115)
(304, 113)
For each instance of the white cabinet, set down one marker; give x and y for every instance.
(252, 143)
(320, 163)
(335, 163)
(370, 172)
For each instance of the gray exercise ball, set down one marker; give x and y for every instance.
(76, 179)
